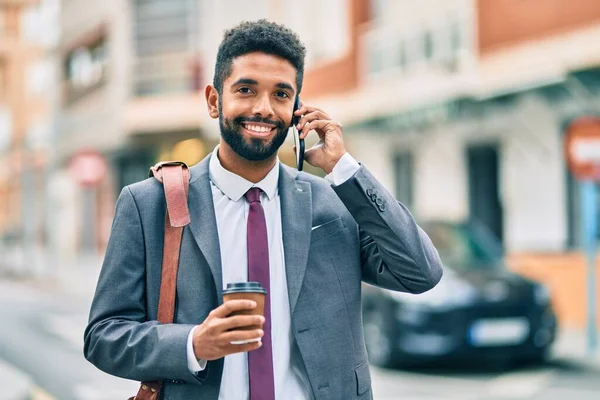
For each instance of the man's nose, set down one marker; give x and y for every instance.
(262, 107)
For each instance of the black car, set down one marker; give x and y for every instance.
(479, 310)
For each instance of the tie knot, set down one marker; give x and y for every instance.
(253, 195)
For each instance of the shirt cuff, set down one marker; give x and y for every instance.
(345, 168)
(194, 365)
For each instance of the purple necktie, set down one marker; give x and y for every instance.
(260, 361)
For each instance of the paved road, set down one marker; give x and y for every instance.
(560, 379)
(41, 334)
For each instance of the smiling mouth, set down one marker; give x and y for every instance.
(258, 130)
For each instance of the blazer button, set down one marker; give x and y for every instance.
(369, 192)
(379, 201)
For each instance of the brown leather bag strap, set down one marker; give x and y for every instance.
(174, 176)
(176, 184)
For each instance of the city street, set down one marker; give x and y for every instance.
(462, 138)
(42, 336)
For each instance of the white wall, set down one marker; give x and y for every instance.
(376, 154)
(532, 187)
(534, 181)
(440, 178)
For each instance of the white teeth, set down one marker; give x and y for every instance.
(257, 128)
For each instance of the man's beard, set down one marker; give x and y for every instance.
(256, 149)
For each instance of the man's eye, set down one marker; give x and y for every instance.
(244, 90)
(282, 94)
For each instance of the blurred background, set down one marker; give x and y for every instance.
(459, 107)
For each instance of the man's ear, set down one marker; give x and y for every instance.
(212, 101)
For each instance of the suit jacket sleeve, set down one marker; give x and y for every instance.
(118, 339)
(395, 252)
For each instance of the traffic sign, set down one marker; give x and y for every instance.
(88, 168)
(582, 146)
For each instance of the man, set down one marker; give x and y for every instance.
(324, 237)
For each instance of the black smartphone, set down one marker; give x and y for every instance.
(299, 143)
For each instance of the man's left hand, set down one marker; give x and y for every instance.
(330, 148)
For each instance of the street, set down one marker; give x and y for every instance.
(42, 333)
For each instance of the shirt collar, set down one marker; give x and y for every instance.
(234, 186)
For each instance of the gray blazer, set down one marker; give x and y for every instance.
(363, 235)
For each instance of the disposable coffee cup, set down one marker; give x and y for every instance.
(246, 291)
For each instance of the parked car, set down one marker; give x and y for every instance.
(479, 310)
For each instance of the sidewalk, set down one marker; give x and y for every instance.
(16, 385)
(75, 275)
(571, 345)
(76, 278)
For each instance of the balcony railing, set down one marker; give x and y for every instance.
(167, 74)
(395, 50)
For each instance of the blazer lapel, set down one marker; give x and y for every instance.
(204, 224)
(296, 220)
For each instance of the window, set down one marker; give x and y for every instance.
(165, 38)
(85, 66)
(456, 35)
(401, 55)
(163, 26)
(428, 46)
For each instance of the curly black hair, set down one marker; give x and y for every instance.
(263, 36)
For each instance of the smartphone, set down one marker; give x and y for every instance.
(299, 143)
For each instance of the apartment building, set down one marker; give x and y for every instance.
(132, 75)
(465, 108)
(134, 72)
(27, 74)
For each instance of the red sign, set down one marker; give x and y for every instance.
(582, 147)
(88, 168)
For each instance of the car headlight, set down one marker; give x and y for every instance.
(541, 294)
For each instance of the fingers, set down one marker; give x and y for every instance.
(230, 306)
(312, 116)
(321, 126)
(241, 321)
(242, 336)
(304, 109)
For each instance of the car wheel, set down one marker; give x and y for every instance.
(378, 339)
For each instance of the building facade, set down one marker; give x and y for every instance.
(132, 92)
(28, 37)
(134, 73)
(466, 111)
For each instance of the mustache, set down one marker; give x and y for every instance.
(240, 120)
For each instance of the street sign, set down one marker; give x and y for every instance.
(88, 168)
(582, 146)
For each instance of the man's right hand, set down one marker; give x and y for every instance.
(212, 339)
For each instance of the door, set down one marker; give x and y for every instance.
(485, 208)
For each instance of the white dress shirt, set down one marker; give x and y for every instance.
(231, 211)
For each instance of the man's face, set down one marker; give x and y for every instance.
(256, 104)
